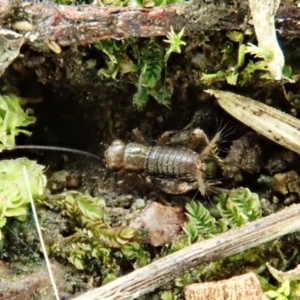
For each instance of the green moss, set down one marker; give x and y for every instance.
(12, 120)
(241, 61)
(14, 197)
(144, 60)
(92, 237)
(236, 208)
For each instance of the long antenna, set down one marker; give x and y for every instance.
(54, 148)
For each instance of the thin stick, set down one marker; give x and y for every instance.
(219, 247)
(40, 235)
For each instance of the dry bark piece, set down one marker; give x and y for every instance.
(10, 44)
(246, 287)
(73, 25)
(163, 223)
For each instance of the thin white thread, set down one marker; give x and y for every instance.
(40, 235)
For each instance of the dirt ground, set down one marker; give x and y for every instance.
(77, 109)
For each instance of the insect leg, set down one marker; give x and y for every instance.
(189, 138)
(172, 186)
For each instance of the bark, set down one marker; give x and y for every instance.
(85, 24)
(10, 44)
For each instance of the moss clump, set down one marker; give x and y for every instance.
(14, 195)
(12, 119)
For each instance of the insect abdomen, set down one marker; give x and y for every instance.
(170, 162)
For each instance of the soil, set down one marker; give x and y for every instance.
(77, 109)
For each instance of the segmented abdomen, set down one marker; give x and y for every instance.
(170, 162)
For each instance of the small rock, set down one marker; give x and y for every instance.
(162, 223)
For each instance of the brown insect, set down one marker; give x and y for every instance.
(175, 169)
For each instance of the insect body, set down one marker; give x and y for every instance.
(175, 169)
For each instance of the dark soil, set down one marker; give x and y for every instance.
(75, 108)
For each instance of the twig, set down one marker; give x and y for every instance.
(226, 244)
(263, 13)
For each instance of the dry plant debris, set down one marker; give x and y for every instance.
(263, 13)
(246, 287)
(283, 276)
(10, 44)
(274, 124)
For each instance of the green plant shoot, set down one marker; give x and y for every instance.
(175, 41)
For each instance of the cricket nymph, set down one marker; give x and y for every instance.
(175, 170)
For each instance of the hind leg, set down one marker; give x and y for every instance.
(188, 138)
(172, 186)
